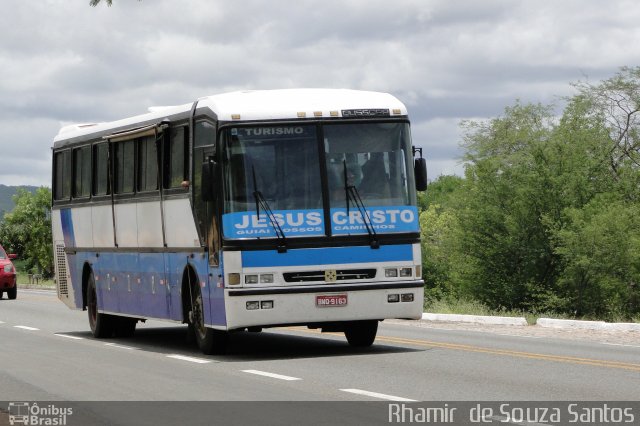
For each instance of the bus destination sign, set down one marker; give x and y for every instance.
(365, 113)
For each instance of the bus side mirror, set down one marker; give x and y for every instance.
(12, 256)
(208, 192)
(420, 172)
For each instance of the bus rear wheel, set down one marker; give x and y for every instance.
(210, 341)
(102, 325)
(361, 334)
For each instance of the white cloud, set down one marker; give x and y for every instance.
(63, 61)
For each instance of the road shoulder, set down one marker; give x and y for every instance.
(607, 336)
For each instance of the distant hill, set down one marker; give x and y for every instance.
(6, 197)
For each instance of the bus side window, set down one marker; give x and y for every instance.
(147, 164)
(100, 169)
(124, 167)
(205, 134)
(62, 180)
(176, 164)
(81, 172)
(204, 147)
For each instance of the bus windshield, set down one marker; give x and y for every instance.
(374, 157)
(281, 164)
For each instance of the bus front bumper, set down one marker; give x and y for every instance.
(328, 303)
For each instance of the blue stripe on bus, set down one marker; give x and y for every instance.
(147, 285)
(67, 228)
(327, 256)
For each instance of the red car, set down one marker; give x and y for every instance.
(7, 275)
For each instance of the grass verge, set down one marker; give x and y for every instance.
(23, 280)
(472, 307)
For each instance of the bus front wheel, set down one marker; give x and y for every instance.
(102, 325)
(210, 341)
(361, 334)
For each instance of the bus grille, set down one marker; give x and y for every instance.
(61, 267)
(341, 275)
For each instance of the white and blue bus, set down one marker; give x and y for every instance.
(242, 211)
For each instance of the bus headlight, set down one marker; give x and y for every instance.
(407, 297)
(391, 272)
(253, 305)
(258, 278)
(406, 272)
(266, 278)
(8, 269)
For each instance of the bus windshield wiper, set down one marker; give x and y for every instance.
(262, 202)
(351, 193)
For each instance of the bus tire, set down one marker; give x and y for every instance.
(102, 325)
(361, 334)
(12, 293)
(209, 340)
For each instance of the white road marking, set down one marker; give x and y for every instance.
(619, 344)
(24, 327)
(1, 322)
(115, 345)
(190, 359)
(68, 337)
(272, 375)
(515, 335)
(612, 344)
(378, 395)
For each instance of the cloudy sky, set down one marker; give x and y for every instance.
(62, 61)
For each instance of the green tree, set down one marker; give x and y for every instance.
(616, 103)
(600, 249)
(546, 210)
(440, 236)
(441, 192)
(27, 229)
(507, 195)
(596, 235)
(440, 252)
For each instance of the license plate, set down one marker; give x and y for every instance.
(331, 300)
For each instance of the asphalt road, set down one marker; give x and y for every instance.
(47, 353)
